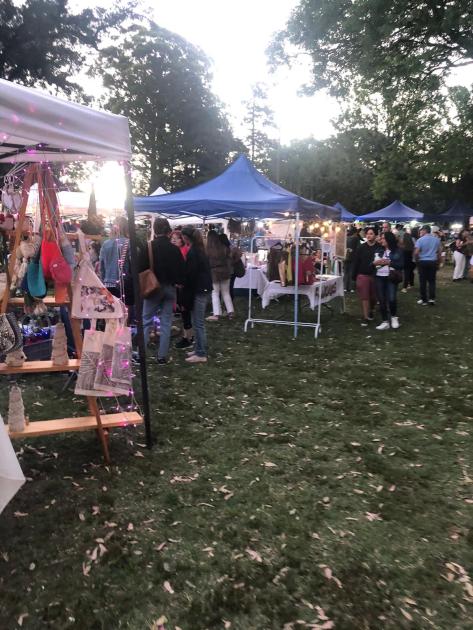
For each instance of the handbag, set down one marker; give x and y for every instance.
(91, 352)
(60, 271)
(104, 380)
(121, 360)
(7, 335)
(35, 277)
(239, 268)
(16, 331)
(90, 298)
(395, 276)
(149, 283)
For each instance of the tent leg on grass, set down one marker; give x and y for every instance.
(138, 305)
(296, 276)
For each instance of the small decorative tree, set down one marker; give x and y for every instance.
(59, 354)
(16, 410)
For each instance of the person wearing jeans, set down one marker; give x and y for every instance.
(197, 288)
(388, 260)
(198, 318)
(428, 253)
(168, 266)
(161, 302)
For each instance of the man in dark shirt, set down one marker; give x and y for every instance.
(353, 242)
(363, 274)
(168, 266)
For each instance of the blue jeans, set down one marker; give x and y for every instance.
(387, 293)
(163, 302)
(198, 322)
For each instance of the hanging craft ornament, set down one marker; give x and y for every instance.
(90, 298)
(16, 411)
(24, 253)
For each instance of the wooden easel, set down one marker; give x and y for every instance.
(40, 174)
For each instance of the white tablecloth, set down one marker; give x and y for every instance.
(330, 287)
(254, 276)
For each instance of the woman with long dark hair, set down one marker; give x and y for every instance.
(222, 268)
(388, 261)
(197, 288)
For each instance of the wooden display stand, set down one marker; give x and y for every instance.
(37, 173)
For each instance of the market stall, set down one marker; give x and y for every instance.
(395, 211)
(36, 129)
(241, 191)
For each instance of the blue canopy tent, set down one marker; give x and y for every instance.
(458, 212)
(239, 191)
(346, 215)
(396, 211)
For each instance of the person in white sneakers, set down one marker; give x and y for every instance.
(389, 263)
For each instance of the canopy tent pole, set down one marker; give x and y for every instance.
(129, 207)
(296, 276)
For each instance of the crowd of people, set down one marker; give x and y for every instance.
(384, 260)
(189, 272)
(192, 273)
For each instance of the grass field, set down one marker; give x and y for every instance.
(294, 484)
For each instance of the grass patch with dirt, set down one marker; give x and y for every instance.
(294, 484)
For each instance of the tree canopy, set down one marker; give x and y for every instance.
(161, 82)
(44, 42)
(383, 44)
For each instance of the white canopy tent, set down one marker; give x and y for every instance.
(74, 204)
(38, 127)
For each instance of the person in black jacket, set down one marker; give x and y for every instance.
(363, 275)
(353, 242)
(197, 288)
(168, 266)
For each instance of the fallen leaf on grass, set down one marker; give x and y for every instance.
(20, 514)
(130, 527)
(405, 614)
(21, 617)
(254, 555)
(139, 454)
(183, 479)
(168, 588)
(328, 573)
(95, 510)
(370, 516)
(159, 623)
(269, 465)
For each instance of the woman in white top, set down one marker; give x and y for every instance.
(389, 263)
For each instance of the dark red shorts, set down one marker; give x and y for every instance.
(365, 287)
